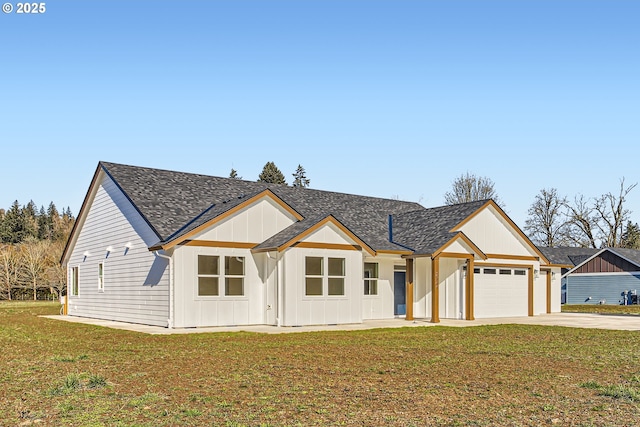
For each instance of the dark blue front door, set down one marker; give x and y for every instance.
(399, 300)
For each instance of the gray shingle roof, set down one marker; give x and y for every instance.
(632, 255)
(173, 203)
(567, 255)
(426, 230)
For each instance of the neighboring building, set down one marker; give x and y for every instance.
(183, 250)
(598, 276)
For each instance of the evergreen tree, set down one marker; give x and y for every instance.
(271, 174)
(44, 225)
(299, 178)
(631, 236)
(234, 174)
(13, 232)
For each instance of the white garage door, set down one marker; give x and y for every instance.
(500, 292)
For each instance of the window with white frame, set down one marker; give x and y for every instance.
(336, 276)
(216, 282)
(101, 277)
(234, 276)
(324, 276)
(208, 275)
(371, 278)
(74, 281)
(313, 275)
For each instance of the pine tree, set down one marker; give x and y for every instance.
(631, 236)
(300, 179)
(271, 174)
(234, 174)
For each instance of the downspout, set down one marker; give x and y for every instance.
(278, 289)
(171, 302)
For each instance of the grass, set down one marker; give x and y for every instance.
(59, 373)
(604, 309)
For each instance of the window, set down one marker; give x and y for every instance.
(489, 271)
(74, 281)
(505, 271)
(476, 270)
(336, 276)
(234, 276)
(313, 271)
(520, 272)
(101, 277)
(208, 275)
(371, 278)
(315, 278)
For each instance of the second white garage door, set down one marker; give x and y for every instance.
(500, 292)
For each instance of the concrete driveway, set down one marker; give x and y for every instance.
(572, 320)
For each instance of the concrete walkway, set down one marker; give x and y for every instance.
(573, 320)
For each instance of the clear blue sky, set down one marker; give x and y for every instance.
(382, 98)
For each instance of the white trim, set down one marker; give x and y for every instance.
(617, 273)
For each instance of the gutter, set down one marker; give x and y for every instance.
(171, 291)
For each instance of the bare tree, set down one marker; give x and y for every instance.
(33, 256)
(547, 224)
(56, 273)
(613, 215)
(581, 223)
(468, 188)
(9, 269)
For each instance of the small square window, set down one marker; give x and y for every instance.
(234, 286)
(313, 286)
(208, 286)
(476, 270)
(336, 286)
(336, 266)
(208, 265)
(313, 266)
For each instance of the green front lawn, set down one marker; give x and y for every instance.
(597, 308)
(59, 373)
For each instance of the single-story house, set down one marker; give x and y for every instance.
(181, 250)
(598, 276)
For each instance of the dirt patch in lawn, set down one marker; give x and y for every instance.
(58, 373)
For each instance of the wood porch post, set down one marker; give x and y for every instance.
(409, 289)
(531, 273)
(435, 290)
(469, 291)
(549, 274)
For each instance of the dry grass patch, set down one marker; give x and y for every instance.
(490, 375)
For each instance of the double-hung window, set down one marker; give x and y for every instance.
(313, 275)
(208, 275)
(336, 276)
(371, 278)
(234, 276)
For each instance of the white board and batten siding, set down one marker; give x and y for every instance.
(253, 224)
(300, 309)
(494, 235)
(380, 306)
(136, 283)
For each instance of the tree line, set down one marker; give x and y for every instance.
(554, 220)
(31, 244)
(272, 175)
